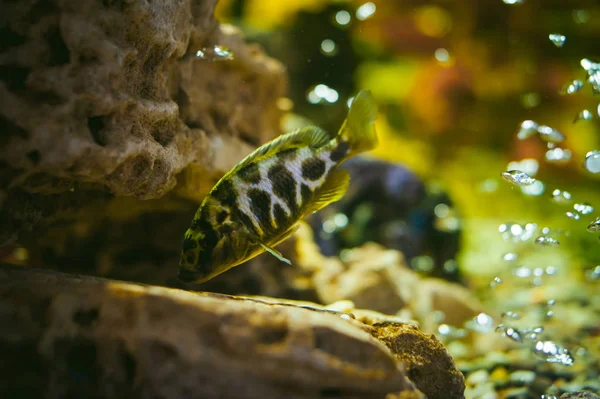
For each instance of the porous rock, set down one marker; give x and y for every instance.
(109, 94)
(579, 395)
(427, 362)
(72, 336)
(376, 278)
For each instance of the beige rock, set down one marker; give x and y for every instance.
(110, 94)
(75, 336)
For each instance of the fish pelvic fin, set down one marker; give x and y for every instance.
(276, 253)
(358, 129)
(332, 190)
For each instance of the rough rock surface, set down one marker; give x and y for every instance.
(109, 94)
(68, 336)
(427, 362)
(580, 395)
(375, 278)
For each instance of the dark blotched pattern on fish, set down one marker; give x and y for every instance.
(257, 204)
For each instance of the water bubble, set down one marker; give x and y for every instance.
(550, 313)
(518, 178)
(580, 16)
(527, 165)
(215, 53)
(511, 2)
(422, 264)
(510, 257)
(572, 87)
(584, 115)
(482, 323)
(561, 196)
(511, 315)
(551, 302)
(573, 215)
(451, 332)
(530, 100)
(442, 55)
(589, 65)
(365, 11)
(547, 241)
(528, 128)
(551, 270)
(340, 220)
(594, 227)
(321, 93)
(522, 272)
(515, 232)
(557, 39)
(592, 161)
(558, 155)
(593, 274)
(342, 18)
(550, 135)
(328, 47)
(496, 281)
(551, 352)
(513, 334)
(537, 188)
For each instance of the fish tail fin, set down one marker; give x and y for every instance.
(358, 129)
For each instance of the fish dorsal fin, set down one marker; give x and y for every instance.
(276, 253)
(311, 136)
(332, 190)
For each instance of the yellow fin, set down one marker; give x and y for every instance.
(332, 190)
(358, 129)
(276, 254)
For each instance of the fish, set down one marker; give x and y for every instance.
(261, 201)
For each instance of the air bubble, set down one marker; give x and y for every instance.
(594, 227)
(561, 196)
(328, 47)
(365, 11)
(215, 53)
(550, 352)
(584, 115)
(558, 155)
(592, 161)
(557, 39)
(528, 128)
(573, 215)
(321, 93)
(547, 241)
(550, 135)
(518, 178)
(572, 87)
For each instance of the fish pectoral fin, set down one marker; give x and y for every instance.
(332, 190)
(275, 253)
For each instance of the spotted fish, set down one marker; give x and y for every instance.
(259, 203)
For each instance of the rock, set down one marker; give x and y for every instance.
(427, 362)
(580, 395)
(109, 96)
(376, 278)
(75, 336)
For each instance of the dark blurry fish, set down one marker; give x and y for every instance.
(388, 204)
(258, 203)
